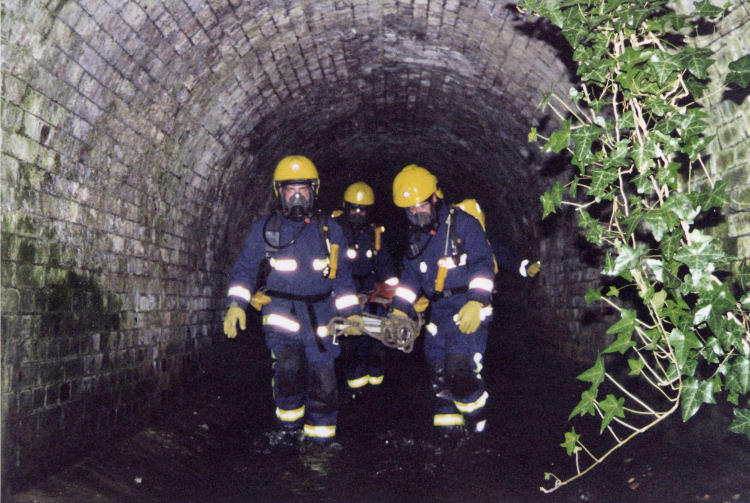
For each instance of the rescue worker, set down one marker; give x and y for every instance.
(288, 268)
(375, 279)
(449, 261)
(504, 258)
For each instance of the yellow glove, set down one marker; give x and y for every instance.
(259, 299)
(421, 304)
(397, 312)
(357, 321)
(234, 314)
(533, 269)
(468, 317)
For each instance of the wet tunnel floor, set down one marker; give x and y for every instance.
(220, 450)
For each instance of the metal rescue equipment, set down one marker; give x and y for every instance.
(396, 332)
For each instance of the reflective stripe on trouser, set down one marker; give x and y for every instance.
(363, 360)
(322, 404)
(446, 416)
(289, 385)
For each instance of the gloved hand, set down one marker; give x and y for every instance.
(234, 314)
(399, 313)
(357, 321)
(468, 317)
(421, 304)
(259, 299)
(533, 269)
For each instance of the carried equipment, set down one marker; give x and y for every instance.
(396, 332)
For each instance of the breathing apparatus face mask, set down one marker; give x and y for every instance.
(423, 215)
(297, 200)
(356, 214)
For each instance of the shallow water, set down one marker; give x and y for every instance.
(221, 450)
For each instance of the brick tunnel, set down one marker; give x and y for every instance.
(139, 143)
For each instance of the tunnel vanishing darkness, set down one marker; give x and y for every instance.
(139, 142)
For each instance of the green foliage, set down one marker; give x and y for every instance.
(631, 127)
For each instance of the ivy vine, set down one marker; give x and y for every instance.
(634, 129)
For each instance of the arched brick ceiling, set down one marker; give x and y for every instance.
(186, 105)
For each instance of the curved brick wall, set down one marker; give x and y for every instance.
(139, 139)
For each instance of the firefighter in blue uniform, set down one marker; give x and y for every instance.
(504, 258)
(288, 268)
(362, 357)
(450, 262)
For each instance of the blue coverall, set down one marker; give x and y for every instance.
(455, 358)
(363, 357)
(295, 321)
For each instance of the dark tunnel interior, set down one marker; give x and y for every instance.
(140, 138)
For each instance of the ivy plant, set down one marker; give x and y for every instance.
(634, 130)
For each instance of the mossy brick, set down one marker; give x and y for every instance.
(30, 276)
(743, 246)
(739, 223)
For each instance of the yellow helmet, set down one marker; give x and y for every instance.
(471, 206)
(359, 193)
(295, 168)
(414, 185)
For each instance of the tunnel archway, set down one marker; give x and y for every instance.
(140, 138)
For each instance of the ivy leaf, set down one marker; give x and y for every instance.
(626, 324)
(571, 438)
(654, 221)
(682, 344)
(532, 135)
(594, 375)
(594, 230)
(670, 244)
(586, 405)
(713, 350)
(692, 123)
(551, 10)
(593, 295)
(584, 137)
(697, 144)
(731, 338)
(716, 197)
(551, 200)
(642, 182)
(657, 301)
(656, 267)
(705, 9)
(740, 72)
(663, 66)
(636, 366)
(668, 175)
(741, 423)
(612, 407)
(681, 205)
(560, 139)
(595, 70)
(691, 399)
(643, 155)
(621, 344)
(697, 61)
(699, 257)
(601, 179)
(738, 377)
(627, 259)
